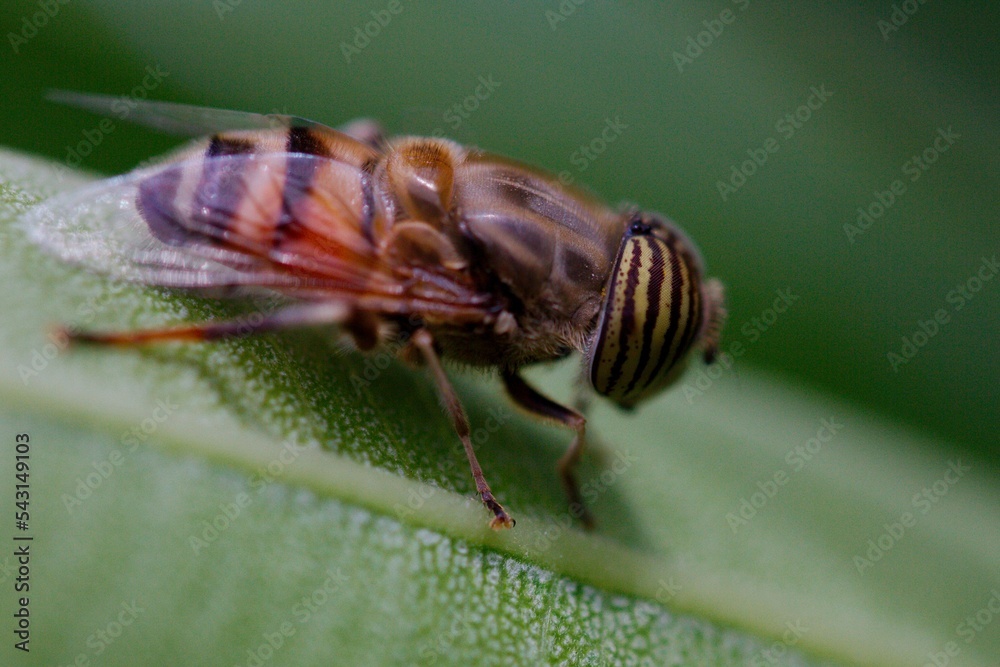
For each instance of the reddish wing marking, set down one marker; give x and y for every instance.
(240, 236)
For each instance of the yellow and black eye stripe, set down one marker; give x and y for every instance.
(651, 316)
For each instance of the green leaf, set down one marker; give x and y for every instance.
(280, 500)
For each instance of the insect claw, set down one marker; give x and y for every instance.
(79, 337)
(74, 336)
(59, 332)
(587, 519)
(502, 523)
(502, 520)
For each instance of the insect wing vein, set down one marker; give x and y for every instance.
(173, 118)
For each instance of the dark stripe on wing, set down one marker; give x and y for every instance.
(221, 187)
(303, 147)
(222, 145)
(155, 202)
(302, 140)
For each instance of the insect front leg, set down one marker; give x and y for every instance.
(423, 341)
(530, 399)
(715, 317)
(299, 315)
(583, 397)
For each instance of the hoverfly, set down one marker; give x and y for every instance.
(458, 253)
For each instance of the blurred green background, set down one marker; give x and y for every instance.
(691, 114)
(695, 92)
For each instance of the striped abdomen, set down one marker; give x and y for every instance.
(652, 314)
(256, 192)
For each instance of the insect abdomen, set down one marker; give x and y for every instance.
(250, 187)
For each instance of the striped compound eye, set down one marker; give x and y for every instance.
(652, 313)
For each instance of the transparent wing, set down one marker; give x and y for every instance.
(288, 221)
(173, 118)
(100, 228)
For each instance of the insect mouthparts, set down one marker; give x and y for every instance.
(639, 228)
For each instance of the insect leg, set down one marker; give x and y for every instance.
(308, 314)
(423, 341)
(715, 317)
(528, 397)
